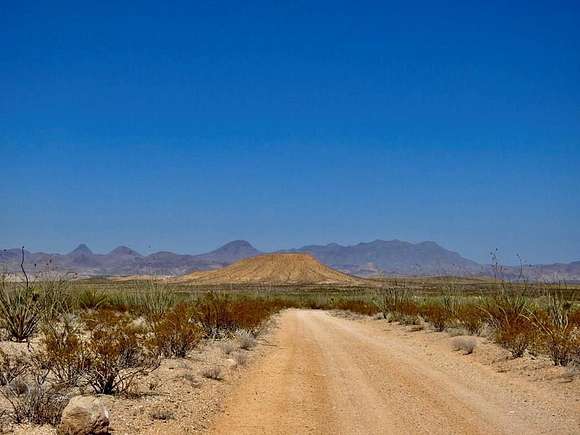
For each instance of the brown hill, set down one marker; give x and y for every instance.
(273, 269)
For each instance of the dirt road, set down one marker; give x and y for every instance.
(329, 375)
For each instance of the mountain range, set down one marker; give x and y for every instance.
(380, 257)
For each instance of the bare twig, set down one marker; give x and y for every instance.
(24, 271)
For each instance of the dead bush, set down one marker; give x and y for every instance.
(32, 398)
(12, 367)
(38, 404)
(177, 332)
(465, 344)
(516, 336)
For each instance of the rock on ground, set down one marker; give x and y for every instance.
(84, 415)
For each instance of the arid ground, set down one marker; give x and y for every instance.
(326, 374)
(416, 356)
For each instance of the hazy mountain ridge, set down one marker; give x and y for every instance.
(379, 257)
(393, 257)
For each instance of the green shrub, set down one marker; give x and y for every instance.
(91, 299)
(20, 312)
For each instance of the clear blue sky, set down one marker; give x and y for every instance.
(183, 125)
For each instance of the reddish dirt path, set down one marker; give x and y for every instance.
(329, 375)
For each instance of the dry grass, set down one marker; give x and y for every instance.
(240, 358)
(214, 372)
(246, 340)
(191, 379)
(227, 347)
(465, 344)
(12, 367)
(33, 398)
(162, 414)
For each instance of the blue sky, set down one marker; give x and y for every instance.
(183, 125)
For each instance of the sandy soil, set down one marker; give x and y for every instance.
(174, 399)
(274, 269)
(330, 375)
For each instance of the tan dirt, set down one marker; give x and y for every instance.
(274, 269)
(331, 375)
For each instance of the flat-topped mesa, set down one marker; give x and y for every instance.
(278, 269)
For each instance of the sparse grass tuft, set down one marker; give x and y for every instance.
(227, 347)
(246, 339)
(240, 358)
(161, 414)
(214, 372)
(465, 344)
(191, 379)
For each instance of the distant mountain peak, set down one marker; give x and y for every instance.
(124, 250)
(231, 251)
(384, 257)
(81, 249)
(237, 244)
